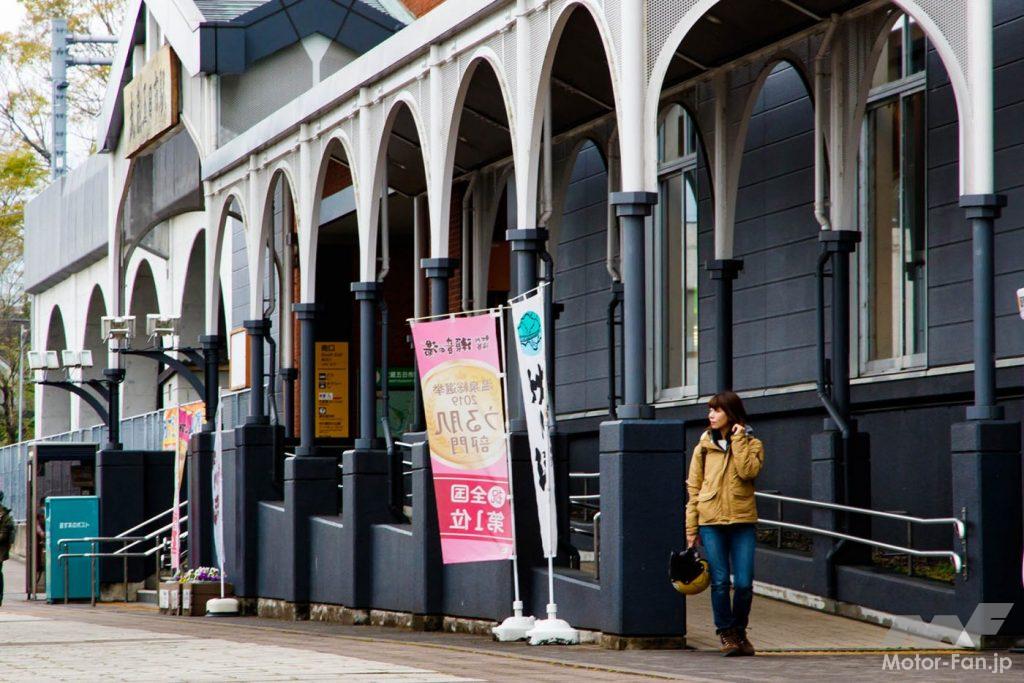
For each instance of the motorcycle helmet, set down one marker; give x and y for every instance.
(688, 571)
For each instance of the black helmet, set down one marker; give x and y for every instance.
(688, 571)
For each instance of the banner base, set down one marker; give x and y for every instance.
(222, 607)
(553, 632)
(513, 628)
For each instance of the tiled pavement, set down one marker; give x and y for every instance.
(110, 642)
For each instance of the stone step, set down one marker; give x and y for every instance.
(148, 596)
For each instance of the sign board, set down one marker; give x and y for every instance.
(238, 359)
(151, 101)
(180, 423)
(1020, 301)
(332, 399)
(463, 403)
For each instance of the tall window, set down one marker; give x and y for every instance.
(675, 257)
(893, 290)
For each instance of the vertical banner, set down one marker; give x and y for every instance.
(528, 322)
(180, 423)
(459, 365)
(218, 488)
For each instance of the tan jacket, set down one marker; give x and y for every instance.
(721, 485)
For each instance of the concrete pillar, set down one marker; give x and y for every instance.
(723, 272)
(257, 330)
(632, 208)
(288, 377)
(306, 314)
(366, 294)
(438, 271)
(211, 378)
(199, 469)
(525, 245)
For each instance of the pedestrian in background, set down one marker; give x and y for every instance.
(6, 540)
(721, 512)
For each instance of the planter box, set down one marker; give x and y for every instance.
(169, 597)
(195, 595)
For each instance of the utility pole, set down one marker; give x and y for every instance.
(21, 379)
(60, 60)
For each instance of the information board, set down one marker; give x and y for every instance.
(332, 398)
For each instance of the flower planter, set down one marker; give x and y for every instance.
(195, 595)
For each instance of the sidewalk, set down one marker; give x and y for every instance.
(78, 642)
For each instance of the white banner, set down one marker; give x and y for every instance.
(218, 489)
(531, 352)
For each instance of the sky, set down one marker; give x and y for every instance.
(11, 13)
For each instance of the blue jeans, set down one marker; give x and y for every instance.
(729, 548)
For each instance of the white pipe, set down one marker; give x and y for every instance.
(385, 225)
(547, 195)
(819, 133)
(611, 259)
(287, 280)
(979, 143)
(418, 215)
(467, 236)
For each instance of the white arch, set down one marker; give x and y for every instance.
(526, 196)
(368, 247)
(309, 230)
(930, 28)
(281, 172)
(440, 198)
(215, 249)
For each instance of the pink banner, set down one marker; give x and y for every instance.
(458, 362)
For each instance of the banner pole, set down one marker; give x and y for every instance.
(516, 626)
(223, 606)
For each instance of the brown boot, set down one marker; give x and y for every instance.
(730, 643)
(746, 647)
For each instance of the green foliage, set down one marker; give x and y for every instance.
(25, 154)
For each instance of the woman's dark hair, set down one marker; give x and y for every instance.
(731, 405)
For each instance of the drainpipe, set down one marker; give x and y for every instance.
(467, 242)
(547, 194)
(819, 125)
(385, 227)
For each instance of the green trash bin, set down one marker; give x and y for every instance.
(71, 517)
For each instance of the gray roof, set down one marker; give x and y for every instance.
(228, 10)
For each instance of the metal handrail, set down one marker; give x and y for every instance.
(958, 563)
(152, 519)
(584, 475)
(156, 532)
(958, 524)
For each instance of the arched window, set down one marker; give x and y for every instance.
(893, 291)
(675, 257)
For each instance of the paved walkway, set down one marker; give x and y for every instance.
(132, 642)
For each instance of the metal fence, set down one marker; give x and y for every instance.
(143, 432)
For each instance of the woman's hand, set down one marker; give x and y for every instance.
(738, 429)
(691, 540)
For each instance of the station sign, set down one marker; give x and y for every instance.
(151, 102)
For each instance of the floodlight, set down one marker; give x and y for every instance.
(70, 359)
(117, 328)
(52, 361)
(36, 360)
(160, 324)
(85, 358)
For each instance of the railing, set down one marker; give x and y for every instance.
(958, 524)
(143, 432)
(586, 502)
(128, 541)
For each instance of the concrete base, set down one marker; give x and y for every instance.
(513, 628)
(336, 614)
(612, 641)
(268, 608)
(553, 632)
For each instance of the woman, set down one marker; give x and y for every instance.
(722, 510)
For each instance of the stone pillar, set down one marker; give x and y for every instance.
(257, 330)
(632, 208)
(200, 500)
(438, 271)
(248, 479)
(366, 294)
(642, 518)
(210, 344)
(306, 314)
(121, 492)
(986, 453)
(723, 272)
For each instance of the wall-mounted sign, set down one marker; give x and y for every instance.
(332, 404)
(1020, 301)
(238, 359)
(151, 101)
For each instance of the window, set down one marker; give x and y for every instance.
(675, 257)
(893, 272)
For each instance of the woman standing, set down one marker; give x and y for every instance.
(721, 508)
